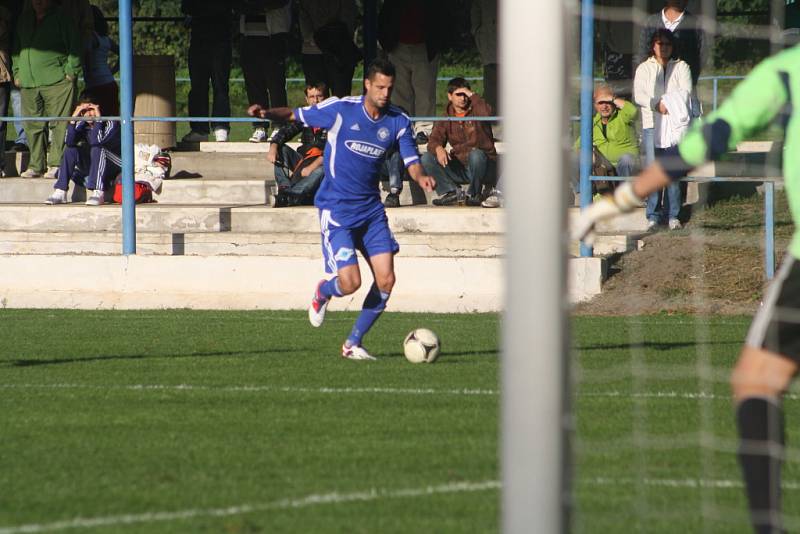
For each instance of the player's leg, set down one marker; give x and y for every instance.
(767, 364)
(338, 252)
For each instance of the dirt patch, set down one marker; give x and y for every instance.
(690, 271)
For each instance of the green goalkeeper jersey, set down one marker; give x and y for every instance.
(766, 95)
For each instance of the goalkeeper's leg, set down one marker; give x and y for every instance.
(767, 364)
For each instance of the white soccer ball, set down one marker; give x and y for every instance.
(421, 346)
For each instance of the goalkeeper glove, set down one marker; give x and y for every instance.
(622, 201)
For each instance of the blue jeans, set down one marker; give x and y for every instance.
(395, 170)
(306, 187)
(16, 109)
(665, 204)
(479, 171)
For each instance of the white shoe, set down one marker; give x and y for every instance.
(675, 224)
(356, 352)
(194, 137)
(221, 135)
(59, 196)
(316, 310)
(651, 225)
(494, 200)
(52, 173)
(30, 173)
(97, 198)
(259, 136)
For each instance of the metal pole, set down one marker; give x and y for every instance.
(716, 86)
(587, 87)
(126, 111)
(769, 229)
(534, 451)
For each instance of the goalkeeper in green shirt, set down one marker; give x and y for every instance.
(770, 357)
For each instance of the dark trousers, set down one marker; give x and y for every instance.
(324, 68)
(209, 60)
(264, 67)
(5, 93)
(93, 167)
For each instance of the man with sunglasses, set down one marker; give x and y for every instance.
(613, 132)
(472, 159)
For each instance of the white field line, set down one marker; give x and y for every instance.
(259, 389)
(665, 395)
(678, 483)
(282, 504)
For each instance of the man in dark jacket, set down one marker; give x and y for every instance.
(412, 33)
(91, 157)
(299, 172)
(690, 41)
(473, 157)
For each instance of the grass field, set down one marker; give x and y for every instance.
(185, 421)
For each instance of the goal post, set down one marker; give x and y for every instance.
(533, 59)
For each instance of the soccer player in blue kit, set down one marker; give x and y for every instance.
(361, 130)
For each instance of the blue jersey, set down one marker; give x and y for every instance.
(355, 152)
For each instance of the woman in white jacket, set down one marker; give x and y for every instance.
(656, 77)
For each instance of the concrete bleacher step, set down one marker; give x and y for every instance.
(226, 218)
(222, 165)
(183, 191)
(284, 244)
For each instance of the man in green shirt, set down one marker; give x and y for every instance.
(613, 132)
(770, 357)
(46, 64)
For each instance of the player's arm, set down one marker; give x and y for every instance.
(272, 114)
(417, 173)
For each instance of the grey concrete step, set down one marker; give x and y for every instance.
(306, 245)
(227, 218)
(183, 191)
(222, 165)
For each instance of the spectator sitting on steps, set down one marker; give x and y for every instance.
(91, 156)
(299, 172)
(473, 158)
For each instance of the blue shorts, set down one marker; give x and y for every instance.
(339, 243)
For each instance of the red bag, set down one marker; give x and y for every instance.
(142, 192)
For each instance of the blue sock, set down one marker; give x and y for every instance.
(330, 289)
(372, 308)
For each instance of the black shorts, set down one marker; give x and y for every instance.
(776, 326)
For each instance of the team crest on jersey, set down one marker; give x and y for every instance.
(364, 149)
(344, 254)
(383, 134)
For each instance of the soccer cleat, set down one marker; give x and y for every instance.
(316, 311)
(52, 173)
(356, 352)
(392, 200)
(259, 136)
(194, 137)
(97, 198)
(30, 173)
(221, 135)
(674, 224)
(59, 196)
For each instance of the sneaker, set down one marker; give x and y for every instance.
(448, 199)
(651, 225)
(421, 138)
(316, 311)
(280, 199)
(30, 173)
(356, 352)
(221, 135)
(473, 201)
(194, 137)
(675, 224)
(59, 196)
(493, 200)
(392, 200)
(52, 173)
(259, 136)
(97, 198)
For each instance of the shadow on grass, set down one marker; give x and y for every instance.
(33, 363)
(447, 356)
(655, 345)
